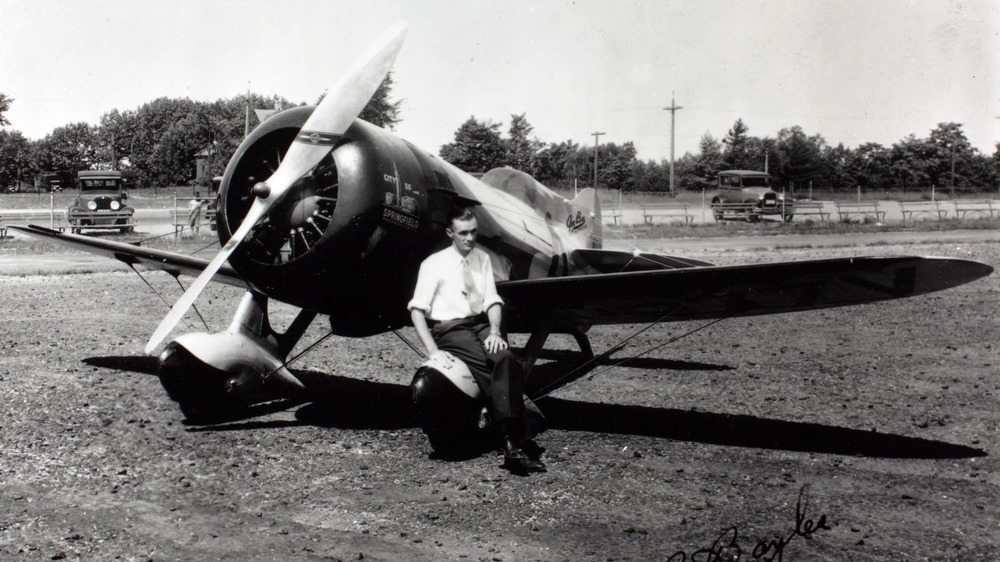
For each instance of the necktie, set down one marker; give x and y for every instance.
(471, 292)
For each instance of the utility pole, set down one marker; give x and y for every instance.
(673, 110)
(597, 136)
(246, 119)
(953, 169)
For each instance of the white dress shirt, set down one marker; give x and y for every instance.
(441, 291)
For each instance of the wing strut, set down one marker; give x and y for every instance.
(583, 372)
(161, 297)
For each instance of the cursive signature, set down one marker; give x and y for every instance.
(574, 223)
(727, 546)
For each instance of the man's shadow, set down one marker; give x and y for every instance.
(341, 402)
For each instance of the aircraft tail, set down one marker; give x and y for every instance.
(589, 204)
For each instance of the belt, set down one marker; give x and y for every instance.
(474, 319)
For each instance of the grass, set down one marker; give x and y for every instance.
(610, 197)
(775, 228)
(204, 245)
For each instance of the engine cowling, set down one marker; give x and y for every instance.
(348, 238)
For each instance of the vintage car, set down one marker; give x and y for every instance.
(100, 203)
(747, 194)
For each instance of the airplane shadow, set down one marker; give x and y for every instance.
(134, 364)
(559, 359)
(566, 367)
(341, 402)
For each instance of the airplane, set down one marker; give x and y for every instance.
(333, 215)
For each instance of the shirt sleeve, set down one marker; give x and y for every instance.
(490, 296)
(423, 294)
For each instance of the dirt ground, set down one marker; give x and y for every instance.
(865, 433)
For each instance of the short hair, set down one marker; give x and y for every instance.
(460, 213)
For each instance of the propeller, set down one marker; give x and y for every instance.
(328, 122)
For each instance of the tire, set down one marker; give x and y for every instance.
(717, 213)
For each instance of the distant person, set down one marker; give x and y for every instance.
(194, 213)
(455, 309)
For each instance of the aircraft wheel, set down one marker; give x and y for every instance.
(205, 395)
(448, 417)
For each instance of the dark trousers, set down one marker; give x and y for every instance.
(499, 375)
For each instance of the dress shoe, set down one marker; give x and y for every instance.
(517, 460)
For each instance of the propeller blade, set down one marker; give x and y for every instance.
(328, 122)
(337, 111)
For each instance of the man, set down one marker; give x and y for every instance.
(456, 309)
(194, 213)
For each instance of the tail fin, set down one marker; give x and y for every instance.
(589, 203)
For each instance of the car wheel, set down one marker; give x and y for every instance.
(717, 211)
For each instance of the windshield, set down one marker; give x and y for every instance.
(100, 184)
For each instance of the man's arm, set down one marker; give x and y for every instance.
(419, 318)
(495, 342)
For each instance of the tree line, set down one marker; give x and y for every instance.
(158, 141)
(795, 159)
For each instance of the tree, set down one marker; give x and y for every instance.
(799, 156)
(614, 165)
(153, 121)
(735, 142)
(478, 146)
(174, 156)
(709, 160)
(115, 137)
(558, 164)
(379, 110)
(5, 102)
(650, 175)
(950, 156)
(909, 162)
(16, 162)
(67, 150)
(835, 171)
(522, 150)
(870, 165)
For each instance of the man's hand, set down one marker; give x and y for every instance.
(494, 343)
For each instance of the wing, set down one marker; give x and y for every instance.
(704, 292)
(171, 262)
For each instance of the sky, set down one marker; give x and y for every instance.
(851, 71)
